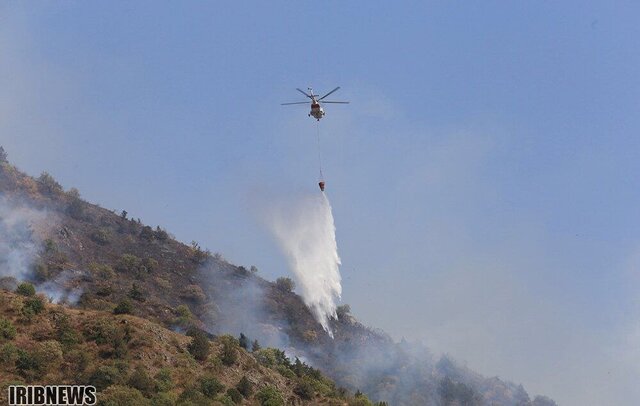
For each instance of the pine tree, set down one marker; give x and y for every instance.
(244, 341)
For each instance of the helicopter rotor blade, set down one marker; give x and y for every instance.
(329, 93)
(288, 104)
(335, 102)
(304, 93)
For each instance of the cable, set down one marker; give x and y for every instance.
(319, 149)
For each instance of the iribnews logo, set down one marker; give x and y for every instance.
(58, 395)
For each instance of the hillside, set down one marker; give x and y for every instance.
(132, 360)
(92, 259)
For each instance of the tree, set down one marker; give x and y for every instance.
(245, 387)
(255, 346)
(199, 346)
(285, 284)
(243, 341)
(3, 155)
(229, 354)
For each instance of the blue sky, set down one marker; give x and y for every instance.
(484, 179)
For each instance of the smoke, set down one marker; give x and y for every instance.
(19, 240)
(62, 289)
(306, 234)
(240, 306)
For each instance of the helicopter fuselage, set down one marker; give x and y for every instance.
(317, 111)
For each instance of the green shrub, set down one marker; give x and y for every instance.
(360, 400)
(272, 357)
(235, 395)
(65, 333)
(104, 290)
(136, 294)
(26, 289)
(149, 265)
(122, 395)
(48, 354)
(184, 315)
(164, 382)
(101, 237)
(193, 293)
(225, 400)
(76, 206)
(128, 263)
(304, 389)
(161, 234)
(285, 284)
(286, 372)
(28, 365)
(140, 380)
(199, 346)
(104, 271)
(102, 331)
(48, 185)
(124, 307)
(105, 376)
(41, 272)
(245, 388)
(192, 396)
(210, 386)
(7, 330)
(79, 359)
(229, 354)
(147, 233)
(269, 396)
(8, 354)
(32, 306)
(164, 399)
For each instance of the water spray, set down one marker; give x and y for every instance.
(306, 233)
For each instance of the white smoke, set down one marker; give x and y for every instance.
(306, 233)
(19, 243)
(63, 288)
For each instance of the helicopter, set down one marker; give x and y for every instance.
(317, 111)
